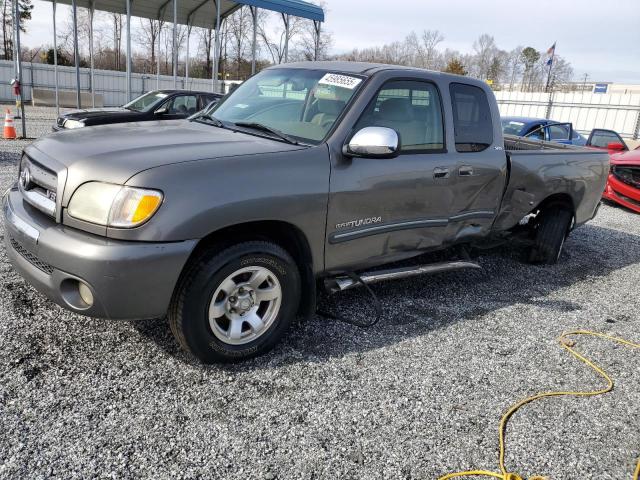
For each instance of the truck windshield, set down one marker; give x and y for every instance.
(301, 104)
(145, 102)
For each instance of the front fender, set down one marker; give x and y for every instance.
(204, 196)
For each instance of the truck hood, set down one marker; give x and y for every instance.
(115, 153)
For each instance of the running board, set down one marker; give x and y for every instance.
(341, 283)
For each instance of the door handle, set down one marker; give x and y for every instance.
(440, 172)
(465, 171)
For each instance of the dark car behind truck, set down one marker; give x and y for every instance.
(228, 222)
(152, 106)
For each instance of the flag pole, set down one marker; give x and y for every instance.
(550, 62)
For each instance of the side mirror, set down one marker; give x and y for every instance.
(162, 110)
(373, 142)
(616, 147)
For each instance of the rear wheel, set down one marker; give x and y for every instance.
(550, 233)
(237, 303)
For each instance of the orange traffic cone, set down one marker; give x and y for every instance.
(9, 129)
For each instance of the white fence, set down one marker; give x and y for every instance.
(112, 85)
(617, 111)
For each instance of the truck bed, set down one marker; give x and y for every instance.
(540, 170)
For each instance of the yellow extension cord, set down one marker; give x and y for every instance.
(568, 345)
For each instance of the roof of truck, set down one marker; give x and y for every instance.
(369, 69)
(363, 68)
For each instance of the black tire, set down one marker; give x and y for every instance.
(550, 233)
(188, 312)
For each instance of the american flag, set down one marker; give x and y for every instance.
(551, 52)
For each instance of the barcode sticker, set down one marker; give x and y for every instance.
(344, 81)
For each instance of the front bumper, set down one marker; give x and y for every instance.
(128, 280)
(623, 194)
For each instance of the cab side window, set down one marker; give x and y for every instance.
(413, 110)
(472, 123)
(183, 105)
(558, 132)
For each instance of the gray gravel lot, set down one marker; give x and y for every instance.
(417, 396)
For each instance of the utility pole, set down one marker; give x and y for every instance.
(584, 83)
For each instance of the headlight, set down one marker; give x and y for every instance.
(73, 124)
(114, 205)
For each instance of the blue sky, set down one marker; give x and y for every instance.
(601, 39)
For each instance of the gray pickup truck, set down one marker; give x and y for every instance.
(230, 222)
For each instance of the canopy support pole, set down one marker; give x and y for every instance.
(91, 66)
(316, 25)
(76, 54)
(158, 55)
(175, 44)
(128, 6)
(216, 48)
(18, 57)
(55, 58)
(186, 65)
(254, 16)
(285, 18)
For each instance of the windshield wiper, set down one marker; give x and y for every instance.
(210, 119)
(271, 130)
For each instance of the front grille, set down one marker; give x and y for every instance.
(39, 185)
(31, 258)
(628, 175)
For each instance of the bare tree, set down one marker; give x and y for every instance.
(273, 34)
(239, 26)
(147, 37)
(305, 46)
(429, 55)
(116, 19)
(484, 48)
(514, 65)
(207, 39)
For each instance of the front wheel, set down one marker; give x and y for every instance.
(550, 233)
(237, 303)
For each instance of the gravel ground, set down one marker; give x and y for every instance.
(417, 396)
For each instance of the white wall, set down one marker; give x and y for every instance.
(109, 83)
(619, 112)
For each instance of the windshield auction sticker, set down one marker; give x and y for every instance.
(344, 81)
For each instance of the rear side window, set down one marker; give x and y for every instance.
(559, 132)
(472, 123)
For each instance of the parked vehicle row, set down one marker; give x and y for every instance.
(228, 222)
(155, 105)
(623, 184)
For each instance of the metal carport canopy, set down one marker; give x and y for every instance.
(200, 13)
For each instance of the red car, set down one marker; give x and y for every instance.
(623, 184)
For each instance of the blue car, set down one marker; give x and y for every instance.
(542, 129)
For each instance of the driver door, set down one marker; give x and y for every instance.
(606, 140)
(180, 106)
(386, 209)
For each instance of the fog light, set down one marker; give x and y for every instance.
(85, 293)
